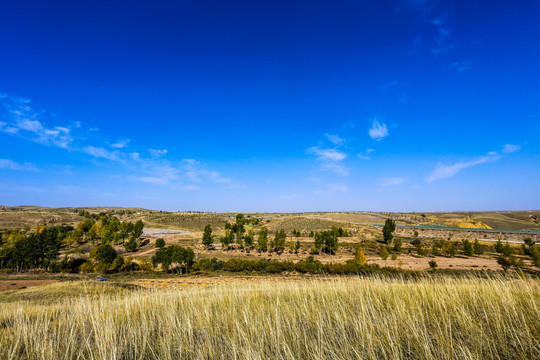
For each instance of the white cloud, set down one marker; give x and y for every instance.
(365, 155)
(120, 144)
(102, 153)
(157, 153)
(378, 131)
(448, 171)
(335, 139)
(24, 121)
(509, 148)
(12, 165)
(196, 171)
(461, 66)
(330, 189)
(337, 168)
(327, 154)
(391, 181)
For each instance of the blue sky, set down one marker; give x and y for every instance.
(271, 105)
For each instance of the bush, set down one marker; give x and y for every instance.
(87, 267)
(160, 243)
(433, 264)
(103, 253)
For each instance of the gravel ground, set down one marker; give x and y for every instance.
(164, 232)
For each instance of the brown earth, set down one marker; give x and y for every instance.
(6, 285)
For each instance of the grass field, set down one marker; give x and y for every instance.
(350, 318)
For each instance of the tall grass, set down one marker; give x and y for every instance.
(442, 318)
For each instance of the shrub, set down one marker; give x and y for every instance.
(433, 264)
(103, 253)
(87, 267)
(160, 243)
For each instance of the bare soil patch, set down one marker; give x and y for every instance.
(6, 285)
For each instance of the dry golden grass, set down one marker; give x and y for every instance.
(350, 318)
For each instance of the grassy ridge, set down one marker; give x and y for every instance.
(443, 318)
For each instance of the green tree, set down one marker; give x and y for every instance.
(249, 239)
(160, 243)
(175, 257)
(478, 248)
(262, 240)
(104, 253)
(297, 246)
(468, 248)
(228, 239)
(207, 236)
(435, 250)
(499, 246)
(279, 241)
(504, 262)
(388, 230)
(138, 229)
(318, 240)
(131, 244)
(433, 264)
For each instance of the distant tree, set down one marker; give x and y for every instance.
(104, 253)
(435, 250)
(504, 262)
(160, 242)
(452, 249)
(433, 264)
(177, 257)
(383, 253)
(297, 246)
(131, 244)
(207, 236)
(499, 246)
(508, 250)
(415, 233)
(138, 229)
(279, 241)
(478, 248)
(262, 240)
(249, 239)
(359, 257)
(468, 248)
(397, 245)
(228, 239)
(388, 230)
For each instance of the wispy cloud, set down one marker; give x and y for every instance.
(24, 121)
(509, 148)
(330, 189)
(330, 159)
(12, 165)
(157, 153)
(20, 119)
(197, 171)
(378, 131)
(327, 154)
(365, 154)
(335, 139)
(102, 153)
(392, 181)
(448, 171)
(337, 169)
(121, 144)
(461, 66)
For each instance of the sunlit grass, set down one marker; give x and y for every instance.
(349, 318)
